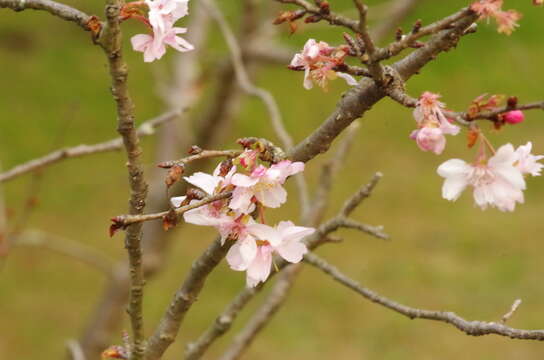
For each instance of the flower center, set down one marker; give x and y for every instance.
(481, 175)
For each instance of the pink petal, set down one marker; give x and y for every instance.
(273, 196)
(206, 182)
(241, 200)
(243, 180)
(176, 201)
(292, 251)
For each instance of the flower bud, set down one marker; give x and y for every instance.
(514, 117)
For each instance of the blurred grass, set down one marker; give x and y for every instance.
(443, 255)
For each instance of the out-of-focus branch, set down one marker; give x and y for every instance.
(399, 10)
(74, 350)
(168, 328)
(358, 100)
(147, 128)
(262, 317)
(224, 321)
(62, 11)
(111, 41)
(69, 248)
(266, 97)
(473, 328)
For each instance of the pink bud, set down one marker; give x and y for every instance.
(514, 117)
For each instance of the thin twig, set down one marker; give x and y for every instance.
(473, 328)
(204, 154)
(125, 220)
(74, 350)
(147, 128)
(398, 10)
(111, 42)
(513, 309)
(64, 12)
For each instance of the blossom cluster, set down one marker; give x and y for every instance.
(319, 60)
(506, 19)
(160, 20)
(241, 218)
(498, 181)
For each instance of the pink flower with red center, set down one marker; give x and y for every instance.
(265, 184)
(255, 256)
(318, 60)
(497, 182)
(432, 124)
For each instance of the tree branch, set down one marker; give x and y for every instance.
(111, 42)
(147, 128)
(473, 328)
(168, 327)
(356, 101)
(62, 11)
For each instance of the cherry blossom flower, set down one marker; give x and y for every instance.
(255, 256)
(318, 60)
(514, 117)
(527, 162)
(507, 21)
(164, 13)
(154, 46)
(487, 8)
(432, 124)
(265, 184)
(496, 182)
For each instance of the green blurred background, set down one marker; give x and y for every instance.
(449, 256)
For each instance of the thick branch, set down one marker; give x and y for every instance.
(147, 128)
(473, 328)
(111, 42)
(65, 12)
(358, 100)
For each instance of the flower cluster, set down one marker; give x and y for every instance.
(319, 60)
(160, 20)
(506, 19)
(498, 181)
(432, 124)
(253, 189)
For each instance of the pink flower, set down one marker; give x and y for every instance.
(263, 183)
(164, 13)
(514, 117)
(430, 139)
(317, 60)
(255, 257)
(432, 124)
(486, 8)
(496, 182)
(507, 20)
(154, 46)
(527, 162)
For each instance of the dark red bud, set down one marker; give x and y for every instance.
(512, 101)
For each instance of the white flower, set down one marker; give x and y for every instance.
(496, 182)
(527, 162)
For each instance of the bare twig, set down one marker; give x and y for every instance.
(266, 97)
(204, 154)
(169, 325)
(126, 220)
(64, 12)
(376, 231)
(513, 309)
(360, 195)
(147, 128)
(473, 328)
(330, 17)
(72, 249)
(111, 42)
